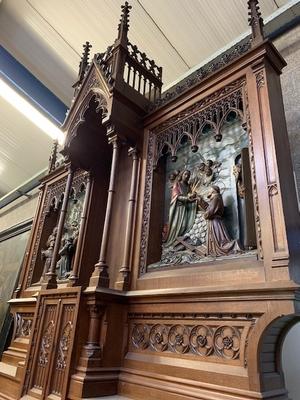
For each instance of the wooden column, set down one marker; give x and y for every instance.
(92, 349)
(49, 281)
(123, 284)
(73, 278)
(100, 276)
(86, 381)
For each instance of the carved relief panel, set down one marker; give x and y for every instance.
(213, 338)
(46, 229)
(196, 167)
(23, 325)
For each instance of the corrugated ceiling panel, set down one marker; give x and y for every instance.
(24, 148)
(47, 36)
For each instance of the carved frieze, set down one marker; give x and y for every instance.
(202, 73)
(209, 336)
(204, 340)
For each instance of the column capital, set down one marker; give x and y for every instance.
(133, 152)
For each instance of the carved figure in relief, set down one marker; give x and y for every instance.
(183, 208)
(218, 242)
(66, 252)
(48, 253)
(195, 229)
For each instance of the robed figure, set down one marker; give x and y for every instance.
(47, 254)
(218, 241)
(183, 208)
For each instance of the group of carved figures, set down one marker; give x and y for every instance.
(66, 252)
(196, 200)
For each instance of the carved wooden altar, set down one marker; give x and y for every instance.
(96, 311)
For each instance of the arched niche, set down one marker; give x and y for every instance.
(49, 224)
(213, 146)
(86, 141)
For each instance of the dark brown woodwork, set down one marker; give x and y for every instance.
(211, 329)
(49, 281)
(100, 275)
(73, 278)
(256, 22)
(125, 270)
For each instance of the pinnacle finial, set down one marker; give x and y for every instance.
(256, 22)
(84, 62)
(84, 59)
(124, 21)
(53, 156)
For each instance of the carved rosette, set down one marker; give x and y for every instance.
(206, 340)
(227, 342)
(179, 338)
(140, 336)
(159, 337)
(201, 340)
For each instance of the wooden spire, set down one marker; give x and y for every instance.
(53, 156)
(84, 62)
(256, 22)
(124, 23)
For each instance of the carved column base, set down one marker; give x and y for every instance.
(91, 356)
(49, 281)
(93, 382)
(100, 277)
(124, 280)
(72, 280)
(91, 379)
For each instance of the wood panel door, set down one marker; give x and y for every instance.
(51, 346)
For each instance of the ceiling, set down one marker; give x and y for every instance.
(47, 37)
(20, 158)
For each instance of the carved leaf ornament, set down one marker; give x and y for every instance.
(46, 344)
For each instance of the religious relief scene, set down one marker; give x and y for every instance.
(208, 210)
(69, 238)
(70, 235)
